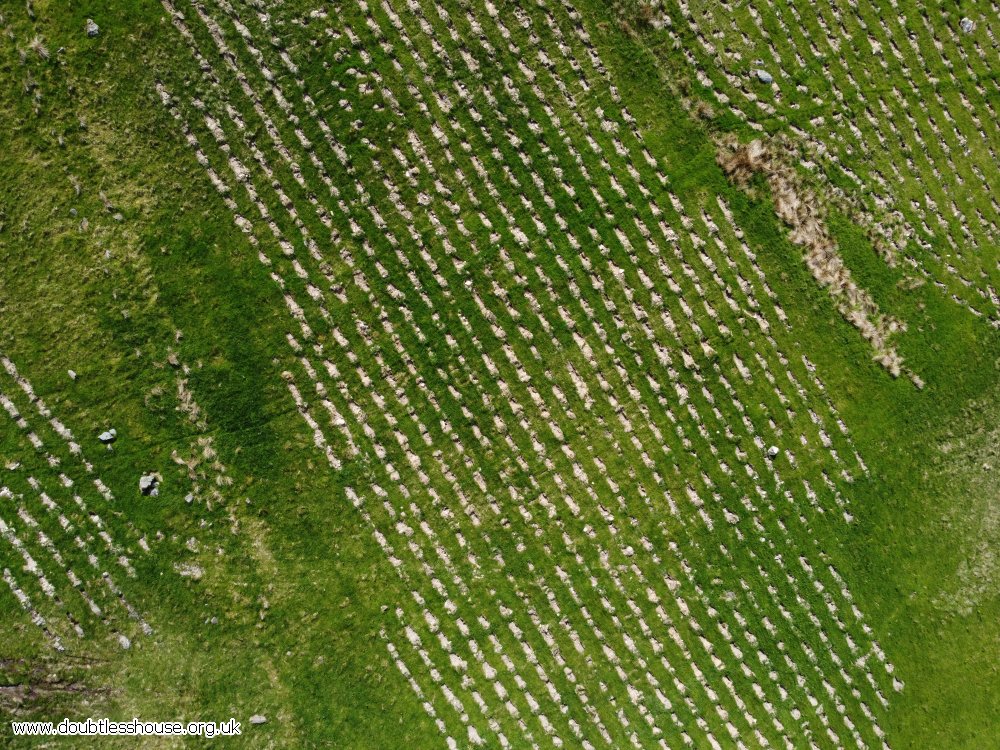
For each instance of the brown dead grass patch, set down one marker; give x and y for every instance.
(800, 209)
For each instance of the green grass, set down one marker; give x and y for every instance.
(914, 515)
(298, 585)
(64, 307)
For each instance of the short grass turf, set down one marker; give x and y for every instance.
(298, 593)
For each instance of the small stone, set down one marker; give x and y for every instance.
(189, 498)
(108, 436)
(190, 571)
(214, 621)
(763, 76)
(72, 374)
(92, 28)
(72, 212)
(124, 642)
(148, 485)
(968, 25)
(773, 451)
(258, 719)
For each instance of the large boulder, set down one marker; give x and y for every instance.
(148, 485)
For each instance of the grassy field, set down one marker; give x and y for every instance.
(485, 410)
